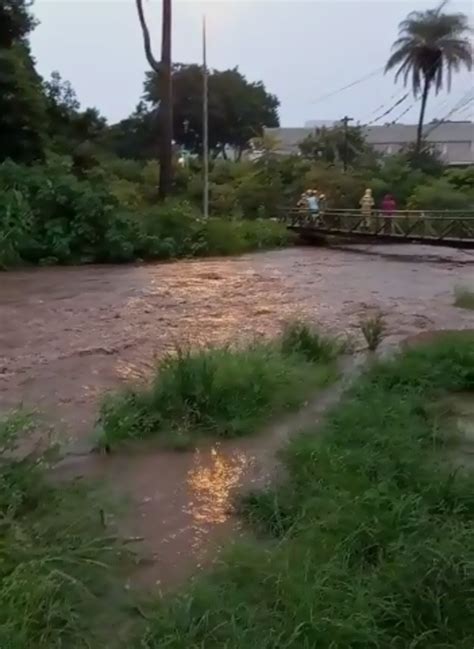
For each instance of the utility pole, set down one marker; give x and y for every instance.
(345, 120)
(205, 123)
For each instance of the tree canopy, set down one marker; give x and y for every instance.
(331, 145)
(238, 109)
(431, 46)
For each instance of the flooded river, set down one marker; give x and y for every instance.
(69, 334)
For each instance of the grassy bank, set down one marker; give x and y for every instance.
(368, 543)
(58, 565)
(221, 392)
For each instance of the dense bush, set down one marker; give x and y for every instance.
(48, 215)
(440, 194)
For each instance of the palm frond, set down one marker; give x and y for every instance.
(431, 45)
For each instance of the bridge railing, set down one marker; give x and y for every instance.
(429, 224)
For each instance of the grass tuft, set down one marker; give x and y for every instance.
(464, 298)
(375, 537)
(301, 339)
(373, 329)
(222, 392)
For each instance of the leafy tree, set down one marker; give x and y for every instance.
(238, 109)
(135, 136)
(330, 145)
(23, 119)
(22, 106)
(16, 21)
(430, 46)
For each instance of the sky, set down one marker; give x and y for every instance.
(300, 50)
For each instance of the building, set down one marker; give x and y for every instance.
(453, 140)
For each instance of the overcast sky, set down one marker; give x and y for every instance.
(300, 50)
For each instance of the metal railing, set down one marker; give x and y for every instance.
(431, 225)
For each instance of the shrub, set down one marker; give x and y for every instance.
(439, 194)
(299, 338)
(63, 219)
(223, 392)
(373, 329)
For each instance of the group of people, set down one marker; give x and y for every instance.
(313, 204)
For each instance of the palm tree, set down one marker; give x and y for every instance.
(431, 45)
(165, 108)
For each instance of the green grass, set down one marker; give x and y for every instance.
(57, 562)
(464, 298)
(369, 541)
(373, 329)
(221, 392)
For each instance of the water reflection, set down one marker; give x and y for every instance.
(211, 482)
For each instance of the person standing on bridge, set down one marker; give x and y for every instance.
(388, 207)
(313, 204)
(366, 205)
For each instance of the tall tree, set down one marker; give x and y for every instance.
(22, 104)
(431, 45)
(165, 107)
(16, 21)
(238, 109)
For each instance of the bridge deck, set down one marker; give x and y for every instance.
(447, 228)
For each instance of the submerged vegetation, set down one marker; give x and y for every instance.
(464, 298)
(222, 392)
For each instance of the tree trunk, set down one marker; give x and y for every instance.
(424, 99)
(166, 105)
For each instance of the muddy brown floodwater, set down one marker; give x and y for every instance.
(69, 334)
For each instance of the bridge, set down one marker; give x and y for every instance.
(453, 228)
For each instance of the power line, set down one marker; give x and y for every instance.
(349, 85)
(389, 110)
(403, 113)
(467, 98)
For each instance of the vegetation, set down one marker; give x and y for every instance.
(58, 564)
(464, 298)
(74, 189)
(373, 329)
(223, 392)
(368, 540)
(49, 215)
(431, 44)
